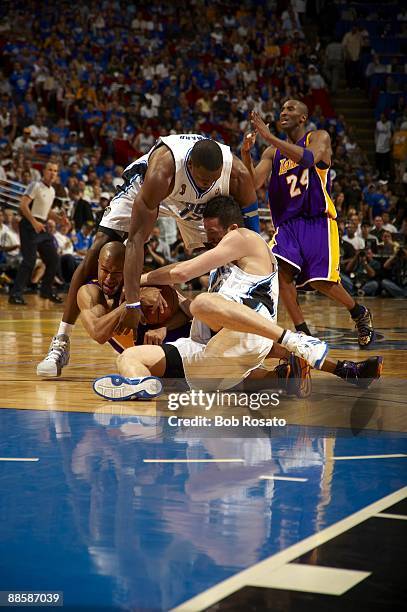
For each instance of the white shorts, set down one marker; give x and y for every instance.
(117, 217)
(222, 363)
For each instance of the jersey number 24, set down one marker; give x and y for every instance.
(292, 181)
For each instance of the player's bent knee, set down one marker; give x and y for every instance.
(128, 355)
(201, 304)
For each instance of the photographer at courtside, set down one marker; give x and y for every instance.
(363, 271)
(396, 286)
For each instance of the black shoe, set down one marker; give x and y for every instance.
(364, 326)
(53, 297)
(17, 300)
(360, 373)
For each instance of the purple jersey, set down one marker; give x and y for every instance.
(295, 191)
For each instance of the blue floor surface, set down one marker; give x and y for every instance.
(91, 519)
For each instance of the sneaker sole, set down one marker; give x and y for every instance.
(47, 374)
(320, 362)
(365, 346)
(116, 388)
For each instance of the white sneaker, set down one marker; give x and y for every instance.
(115, 387)
(57, 358)
(306, 347)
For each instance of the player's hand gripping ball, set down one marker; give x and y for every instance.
(158, 304)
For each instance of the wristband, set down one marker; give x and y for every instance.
(134, 305)
(251, 217)
(307, 159)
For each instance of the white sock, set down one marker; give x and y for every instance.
(289, 341)
(65, 328)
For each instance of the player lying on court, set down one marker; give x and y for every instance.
(306, 242)
(101, 310)
(99, 303)
(234, 327)
(175, 178)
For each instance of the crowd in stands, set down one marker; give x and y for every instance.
(91, 86)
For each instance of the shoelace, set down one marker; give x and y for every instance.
(351, 370)
(362, 324)
(282, 368)
(57, 349)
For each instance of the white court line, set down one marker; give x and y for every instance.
(236, 582)
(283, 478)
(19, 459)
(193, 460)
(387, 515)
(394, 456)
(311, 579)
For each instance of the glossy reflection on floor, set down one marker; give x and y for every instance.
(92, 519)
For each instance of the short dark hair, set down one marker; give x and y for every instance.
(207, 154)
(225, 209)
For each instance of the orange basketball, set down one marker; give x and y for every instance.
(148, 299)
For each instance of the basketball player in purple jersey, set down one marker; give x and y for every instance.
(306, 242)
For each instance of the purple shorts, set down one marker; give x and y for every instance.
(311, 245)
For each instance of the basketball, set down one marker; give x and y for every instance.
(148, 299)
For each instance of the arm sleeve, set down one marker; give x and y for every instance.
(251, 217)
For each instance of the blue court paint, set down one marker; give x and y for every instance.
(345, 338)
(92, 520)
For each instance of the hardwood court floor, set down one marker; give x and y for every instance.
(26, 332)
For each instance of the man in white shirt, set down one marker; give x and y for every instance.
(8, 244)
(35, 208)
(389, 227)
(24, 143)
(356, 241)
(383, 146)
(39, 131)
(315, 80)
(333, 63)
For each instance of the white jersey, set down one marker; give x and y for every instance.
(185, 203)
(258, 292)
(186, 200)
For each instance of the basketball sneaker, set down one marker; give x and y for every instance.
(311, 349)
(360, 373)
(57, 358)
(299, 381)
(118, 388)
(364, 327)
(295, 373)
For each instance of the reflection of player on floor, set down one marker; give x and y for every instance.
(234, 326)
(306, 241)
(99, 303)
(176, 178)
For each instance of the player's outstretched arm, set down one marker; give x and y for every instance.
(318, 149)
(261, 172)
(97, 318)
(226, 251)
(156, 187)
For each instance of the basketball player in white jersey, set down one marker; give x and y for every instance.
(234, 327)
(176, 178)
